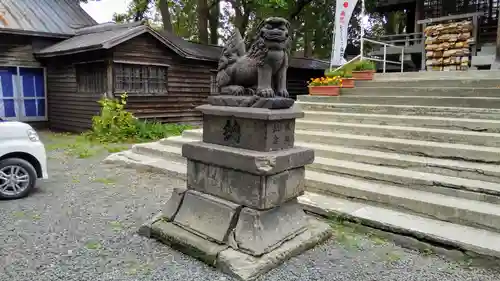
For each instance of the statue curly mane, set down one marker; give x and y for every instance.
(258, 50)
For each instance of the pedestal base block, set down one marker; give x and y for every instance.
(240, 265)
(260, 232)
(208, 216)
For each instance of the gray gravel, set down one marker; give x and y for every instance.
(80, 225)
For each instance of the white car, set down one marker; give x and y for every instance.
(23, 159)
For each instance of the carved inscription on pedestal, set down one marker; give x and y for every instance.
(282, 134)
(232, 131)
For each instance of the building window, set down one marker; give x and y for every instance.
(140, 79)
(213, 84)
(91, 77)
(23, 96)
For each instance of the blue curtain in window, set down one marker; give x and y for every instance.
(7, 91)
(33, 92)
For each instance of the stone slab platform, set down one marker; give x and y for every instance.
(251, 161)
(240, 265)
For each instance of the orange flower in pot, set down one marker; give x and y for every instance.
(347, 80)
(325, 86)
(363, 70)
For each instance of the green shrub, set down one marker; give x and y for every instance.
(344, 73)
(363, 65)
(117, 125)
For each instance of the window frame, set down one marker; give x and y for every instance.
(213, 83)
(103, 76)
(145, 85)
(19, 97)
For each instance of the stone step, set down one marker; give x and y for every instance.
(468, 102)
(428, 182)
(413, 133)
(452, 168)
(465, 84)
(408, 110)
(160, 150)
(447, 208)
(482, 154)
(437, 75)
(474, 125)
(170, 149)
(178, 141)
(147, 163)
(420, 90)
(467, 239)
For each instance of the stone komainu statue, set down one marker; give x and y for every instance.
(262, 70)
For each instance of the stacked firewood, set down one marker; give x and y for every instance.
(447, 46)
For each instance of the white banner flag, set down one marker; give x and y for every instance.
(343, 15)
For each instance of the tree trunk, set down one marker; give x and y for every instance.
(202, 12)
(308, 37)
(165, 15)
(214, 24)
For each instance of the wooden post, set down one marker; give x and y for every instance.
(109, 78)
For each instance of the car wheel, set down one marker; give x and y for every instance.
(17, 178)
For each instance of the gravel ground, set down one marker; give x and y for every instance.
(80, 225)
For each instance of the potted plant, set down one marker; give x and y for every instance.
(363, 70)
(347, 80)
(325, 86)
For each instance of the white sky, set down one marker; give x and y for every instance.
(103, 10)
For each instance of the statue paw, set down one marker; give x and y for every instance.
(265, 93)
(249, 92)
(283, 93)
(238, 91)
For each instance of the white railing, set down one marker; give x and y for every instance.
(353, 59)
(384, 60)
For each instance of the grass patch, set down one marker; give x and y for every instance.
(19, 214)
(135, 268)
(106, 181)
(345, 233)
(36, 217)
(392, 257)
(116, 148)
(116, 226)
(93, 245)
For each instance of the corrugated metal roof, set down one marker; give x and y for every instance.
(111, 34)
(43, 16)
(97, 36)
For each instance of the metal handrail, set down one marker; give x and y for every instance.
(385, 61)
(353, 59)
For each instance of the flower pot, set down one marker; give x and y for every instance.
(324, 90)
(348, 82)
(363, 75)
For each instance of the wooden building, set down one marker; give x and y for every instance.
(164, 76)
(25, 27)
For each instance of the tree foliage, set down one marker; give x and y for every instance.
(211, 21)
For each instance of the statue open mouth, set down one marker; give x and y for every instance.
(275, 37)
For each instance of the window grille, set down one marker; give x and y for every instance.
(140, 79)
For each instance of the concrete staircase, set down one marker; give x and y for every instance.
(416, 154)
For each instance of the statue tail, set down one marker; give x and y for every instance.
(223, 78)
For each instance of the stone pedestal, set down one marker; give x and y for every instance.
(239, 211)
